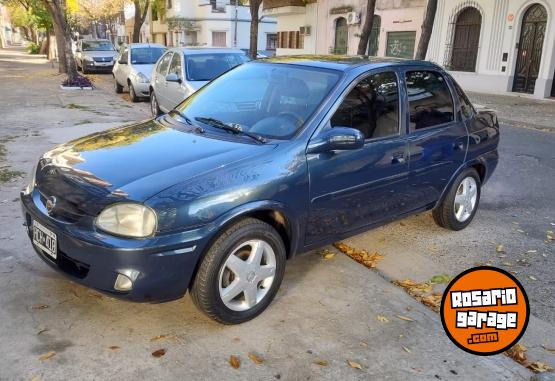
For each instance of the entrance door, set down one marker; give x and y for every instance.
(341, 36)
(530, 47)
(466, 40)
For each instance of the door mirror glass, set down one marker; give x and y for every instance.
(337, 139)
(173, 77)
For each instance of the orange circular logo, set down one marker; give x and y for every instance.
(485, 310)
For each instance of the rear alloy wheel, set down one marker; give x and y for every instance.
(459, 206)
(241, 272)
(132, 93)
(117, 86)
(154, 108)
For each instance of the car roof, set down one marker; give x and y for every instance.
(345, 63)
(144, 45)
(95, 40)
(194, 50)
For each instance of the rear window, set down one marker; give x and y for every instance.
(205, 67)
(430, 101)
(145, 56)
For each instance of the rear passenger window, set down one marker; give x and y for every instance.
(372, 107)
(467, 110)
(430, 101)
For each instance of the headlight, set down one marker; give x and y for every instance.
(127, 219)
(32, 179)
(141, 78)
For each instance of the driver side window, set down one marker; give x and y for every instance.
(163, 63)
(372, 107)
(175, 65)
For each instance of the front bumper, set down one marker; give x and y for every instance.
(96, 67)
(162, 266)
(142, 89)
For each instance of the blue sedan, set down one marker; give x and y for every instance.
(273, 158)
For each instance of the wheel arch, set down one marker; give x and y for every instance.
(477, 164)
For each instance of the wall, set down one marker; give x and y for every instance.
(500, 33)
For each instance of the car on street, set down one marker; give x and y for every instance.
(271, 159)
(182, 71)
(95, 56)
(133, 67)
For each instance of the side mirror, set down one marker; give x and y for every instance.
(337, 139)
(173, 77)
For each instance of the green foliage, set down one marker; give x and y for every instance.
(33, 48)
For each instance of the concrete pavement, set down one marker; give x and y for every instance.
(326, 311)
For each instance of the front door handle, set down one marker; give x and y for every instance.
(398, 158)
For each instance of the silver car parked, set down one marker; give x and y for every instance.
(95, 56)
(182, 71)
(133, 68)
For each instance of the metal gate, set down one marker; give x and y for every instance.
(466, 40)
(530, 47)
(341, 36)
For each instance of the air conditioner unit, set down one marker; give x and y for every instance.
(305, 30)
(353, 18)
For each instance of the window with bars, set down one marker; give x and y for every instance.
(219, 39)
(290, 40)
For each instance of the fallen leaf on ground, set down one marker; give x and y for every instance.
(328, 254)
(432, 301)
(114, 348)
(321, 362)
(500, 249)
(256, 359)
(47, 356)
(532, 277)
(42, 331)
(40, 307)
(518, 353)
(354, 364)
(363, 344)
(539, 367)
(406, 349)
(159, 353)
(36, 378)
(163, 337)
(234, 362)
(413, 287)
(552, 350)
(405, 318)
(361, 256)
(382, 318)
(441, 278)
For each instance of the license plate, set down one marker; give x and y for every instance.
(102, 63)
(45, 239)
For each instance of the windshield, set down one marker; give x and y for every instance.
(97, 45)
(206, 67)
(146, 56)
(270, 100)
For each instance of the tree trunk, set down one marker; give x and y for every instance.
(427, 26)
(367, 28)
(58, 12)
(139, 19)
(59, 35)
(255, 7)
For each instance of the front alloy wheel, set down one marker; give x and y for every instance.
(241, 272)
(154, 108)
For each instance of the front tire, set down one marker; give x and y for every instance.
(458, 208)
(154, 107)
(133, 94)
(241, 273)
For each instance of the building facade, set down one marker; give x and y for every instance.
(213, 23)
(497, 45)
(334, 26)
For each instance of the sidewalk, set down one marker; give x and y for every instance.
(325, 314)
(519, 110)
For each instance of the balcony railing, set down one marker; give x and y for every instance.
(268, 4)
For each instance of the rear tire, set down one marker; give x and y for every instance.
(241, 272)
(459, 206)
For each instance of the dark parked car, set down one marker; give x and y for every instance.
(273, 158)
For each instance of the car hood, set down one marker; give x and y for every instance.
(146, 70)
(133, 162)
(99, 53)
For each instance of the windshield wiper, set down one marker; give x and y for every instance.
(189, 122)
(232, 127)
